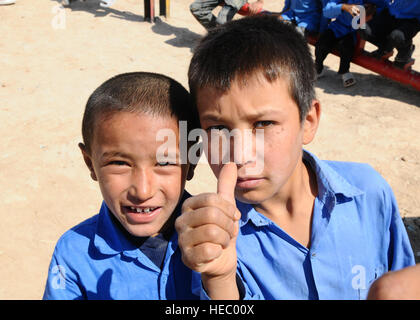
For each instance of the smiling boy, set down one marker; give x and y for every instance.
(309, 229)
(129, 250)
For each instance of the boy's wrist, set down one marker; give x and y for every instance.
(222, 287)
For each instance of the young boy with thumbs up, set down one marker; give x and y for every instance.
(309, 228)
(129, 249)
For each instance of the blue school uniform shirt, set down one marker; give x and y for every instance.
(96, 260)
(357, 235)
(306, 13)
(342, 25)
(380, 4)
(404, 9)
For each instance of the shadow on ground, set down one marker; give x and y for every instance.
(369, 85)
(93, 7)
(184, 38)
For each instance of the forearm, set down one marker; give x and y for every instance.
(221, 288)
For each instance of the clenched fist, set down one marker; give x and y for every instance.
(207, 232)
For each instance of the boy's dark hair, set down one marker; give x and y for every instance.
(138, 92)
(244, 47)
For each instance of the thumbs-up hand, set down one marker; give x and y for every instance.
(207, 232)
(227, 182)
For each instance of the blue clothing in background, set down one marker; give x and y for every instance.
(357, 235)
(97, 260)
(305, 13)
(332, 9)
(404, 9)
(342, 25)
(380, 4)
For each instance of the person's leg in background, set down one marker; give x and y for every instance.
(202, 10)
(402, 39)
(323, 47)
(229, 10)
(346, 47)
(377, 31)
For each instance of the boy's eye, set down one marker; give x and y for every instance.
(118, 163)
(262, 124)
(218, 127)
(166, 163)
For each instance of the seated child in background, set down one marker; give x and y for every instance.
(341, 34)
(202, 10)
(305, 14)
(129, 250)
(394, 27)
(308, 228)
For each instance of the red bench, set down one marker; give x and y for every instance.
(384, 67)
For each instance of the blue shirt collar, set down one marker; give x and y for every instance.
(109, 239)
(329, 180)
(330, 185)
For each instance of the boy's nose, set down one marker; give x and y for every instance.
(243, 147)
(142, 185)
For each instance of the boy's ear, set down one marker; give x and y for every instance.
(88, 161)
(311, 122)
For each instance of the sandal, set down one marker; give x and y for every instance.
(348, 79)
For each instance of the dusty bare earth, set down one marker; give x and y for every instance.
(52, 58)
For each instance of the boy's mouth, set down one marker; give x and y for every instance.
(141, 209)
(248, 182)
(140, 214)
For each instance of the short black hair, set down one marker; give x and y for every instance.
(138, 92)
(241, 48)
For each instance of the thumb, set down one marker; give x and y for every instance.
(227, 181)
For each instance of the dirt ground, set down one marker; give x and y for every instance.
(52, 58)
